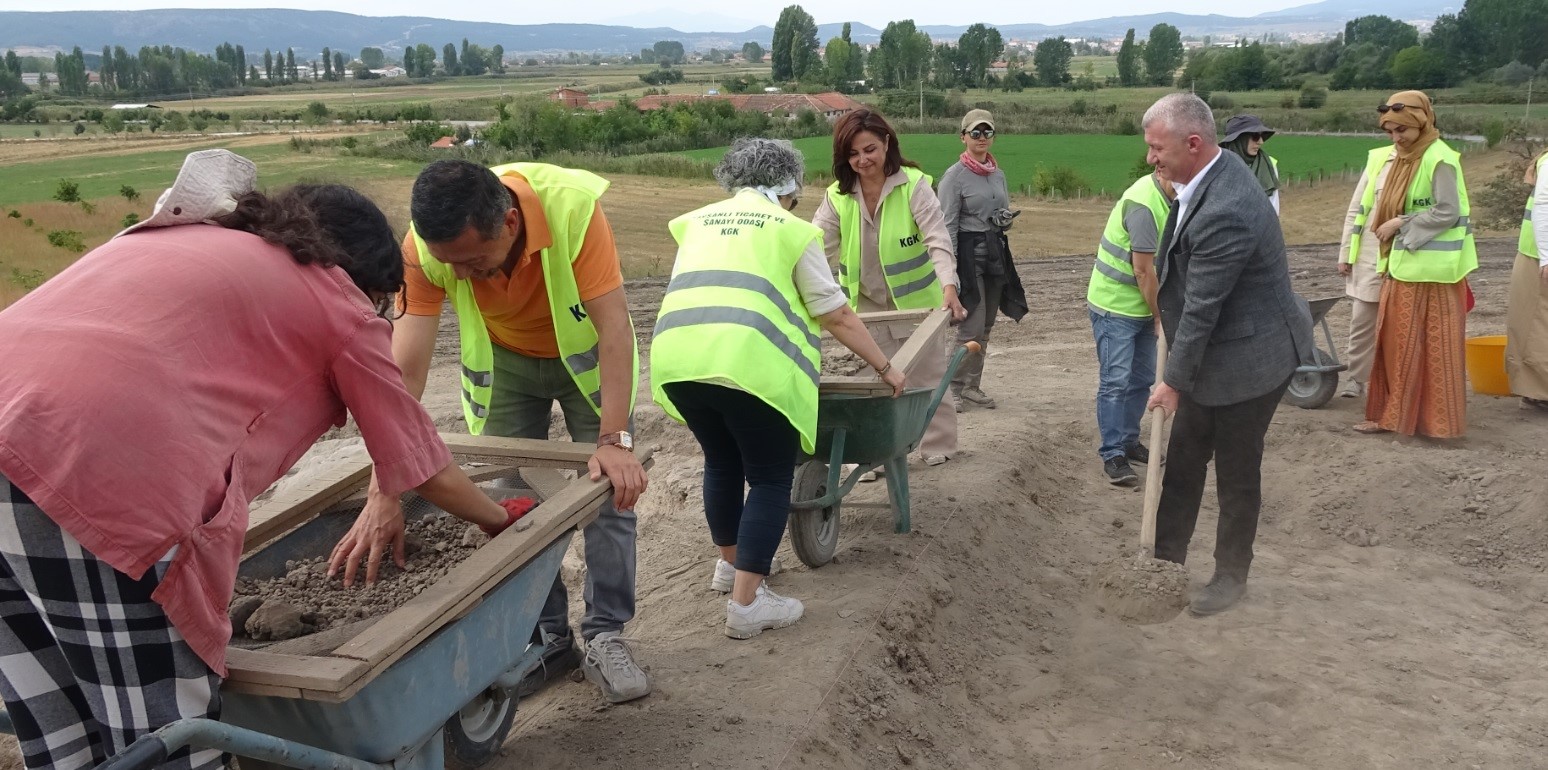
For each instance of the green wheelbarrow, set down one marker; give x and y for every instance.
(867, 432)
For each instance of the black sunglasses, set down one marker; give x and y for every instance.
(1386, 108)
(981, 133)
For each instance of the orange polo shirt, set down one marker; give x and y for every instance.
(516, 308)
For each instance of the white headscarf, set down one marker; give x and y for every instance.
(787, 187)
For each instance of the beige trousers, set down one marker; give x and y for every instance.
(1362, 339)
(1526, 329)
(940, 436)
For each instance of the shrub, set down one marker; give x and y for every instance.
(1060, 181)
(1287, 103)
(27, 279)
(1312, 97)
(1493, 132)
(425, 133)
(80, 128)
(1127, 126)
(130, 194)
(14, 214)
(129, 220)
(1222, 102)
(67, 192)
(88, 207)
(70, 240)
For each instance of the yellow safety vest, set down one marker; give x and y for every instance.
(732, 312)
(1528, 244)
(568, 198)
(1448, 258)
(905, 259)
(1113, 287)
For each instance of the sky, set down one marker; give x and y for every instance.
(691, 16)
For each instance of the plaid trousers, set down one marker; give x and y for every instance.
(88, 662)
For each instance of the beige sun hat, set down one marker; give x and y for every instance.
(206, 187)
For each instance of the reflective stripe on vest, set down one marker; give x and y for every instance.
(1113, 287)
(905, 259)
(1528, 243)
(1452, 254)
(732, 312)
(569, 198)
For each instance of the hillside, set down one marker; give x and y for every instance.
(310, 31)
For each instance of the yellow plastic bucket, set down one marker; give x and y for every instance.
(1486, 366)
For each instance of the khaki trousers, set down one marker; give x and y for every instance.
(1362, 339)
(1526, 329)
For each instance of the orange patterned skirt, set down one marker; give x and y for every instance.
(1418, 384)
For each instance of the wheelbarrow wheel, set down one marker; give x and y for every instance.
(474, 734)
(1310, 390)
(814, 532)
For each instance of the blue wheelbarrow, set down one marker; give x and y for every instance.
(1313, 384)
(868, 431)
(446, 697)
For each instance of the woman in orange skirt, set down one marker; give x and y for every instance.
(1422, 221)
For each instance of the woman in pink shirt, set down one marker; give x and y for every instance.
(148, 392)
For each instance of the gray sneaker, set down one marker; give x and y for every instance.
(610, 665)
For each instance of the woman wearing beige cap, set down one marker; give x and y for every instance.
(1410, 217)
(975, 201)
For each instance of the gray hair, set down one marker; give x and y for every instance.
(1184, 114)
(759, 162)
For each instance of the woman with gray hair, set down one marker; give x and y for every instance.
(736, 356)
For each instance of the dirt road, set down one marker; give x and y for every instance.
(1395, 617)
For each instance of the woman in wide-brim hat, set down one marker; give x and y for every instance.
(1245, 135)
(1412, 203)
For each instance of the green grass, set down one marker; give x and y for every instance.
(1105, 163)
(153, 171)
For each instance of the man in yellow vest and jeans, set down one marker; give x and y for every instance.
(527, 259)
(1122, 300)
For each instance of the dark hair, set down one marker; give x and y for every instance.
(451, 195)
(844, 133)
(327, 225)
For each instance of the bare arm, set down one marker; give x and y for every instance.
(1149, 286)
(848, 329)
(615, 358)
(413, 346)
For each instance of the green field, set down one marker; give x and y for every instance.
(152, 171)
(1105, 163)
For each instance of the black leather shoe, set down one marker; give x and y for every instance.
(1218, 596)
(1119, 473)
(1137, 453)
(560, 657)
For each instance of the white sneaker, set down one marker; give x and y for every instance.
(610, 665)
(768, 610)
(936, 459)
(725, 574)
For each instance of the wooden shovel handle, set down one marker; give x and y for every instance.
(1156, 468)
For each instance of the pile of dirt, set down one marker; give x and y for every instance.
(1141, 589)
(305, 601)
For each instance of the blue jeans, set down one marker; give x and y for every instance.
(1126, 355)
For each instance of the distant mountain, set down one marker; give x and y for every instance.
(310, 31)
(697, 21)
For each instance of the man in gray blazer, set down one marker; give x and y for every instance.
(1236, 332)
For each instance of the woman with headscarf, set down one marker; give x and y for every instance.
(152, 389)
(736, 356)
(882, 224)
(1412, 201)
(1245, 135)
(1526, 325)
(975, 200)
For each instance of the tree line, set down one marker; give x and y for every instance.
(168, 70)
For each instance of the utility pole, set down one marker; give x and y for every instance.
(1526, 116)
(921, 96)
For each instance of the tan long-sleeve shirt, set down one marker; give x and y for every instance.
(926, 209)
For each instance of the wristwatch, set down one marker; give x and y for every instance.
(621, 439)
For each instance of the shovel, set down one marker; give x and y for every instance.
(1142, 589)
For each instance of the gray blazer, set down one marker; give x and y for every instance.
(1234, 328)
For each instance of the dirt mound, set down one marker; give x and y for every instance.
(1140, 589)
(305, 601)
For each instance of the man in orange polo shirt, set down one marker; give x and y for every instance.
(513, 239)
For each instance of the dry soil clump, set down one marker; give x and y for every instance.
(1141, 589)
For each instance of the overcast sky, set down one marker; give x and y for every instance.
(690, 16)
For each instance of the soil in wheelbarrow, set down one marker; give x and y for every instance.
(1140, 589)
(305, 601)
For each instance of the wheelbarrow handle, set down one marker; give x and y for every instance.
(146, 753)
(951, 371)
